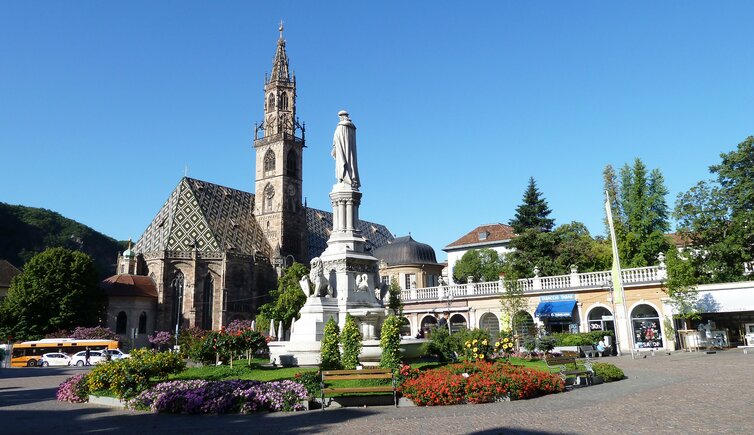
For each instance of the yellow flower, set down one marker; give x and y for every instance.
(481, 356)
(475, 341)
(475, 350)
(497, 344)
(506, 339)
(468, 344)
(484, 342)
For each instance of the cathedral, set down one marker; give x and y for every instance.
(214, 252)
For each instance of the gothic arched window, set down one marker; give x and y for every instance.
(143, 323)
(271, 103)
(269, 162)
(207, 301)
(121, 323)
(177, 287)
(283, 101)
(291, 165)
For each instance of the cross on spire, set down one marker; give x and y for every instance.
(281, 29)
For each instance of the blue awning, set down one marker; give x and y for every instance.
(555, 309)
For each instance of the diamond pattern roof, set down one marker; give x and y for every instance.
(319, 224)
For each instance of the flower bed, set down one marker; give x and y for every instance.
(477, 382)
(221, 397)
(74, 390)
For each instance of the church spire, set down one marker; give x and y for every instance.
(280, 62)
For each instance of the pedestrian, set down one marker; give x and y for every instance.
(86, 356)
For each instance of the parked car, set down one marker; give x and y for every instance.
(54, 359)
(95, 357)
(115, 353)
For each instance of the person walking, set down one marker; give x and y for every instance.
(86, 356)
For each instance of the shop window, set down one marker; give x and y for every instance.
(646, 327)
(457, 323)
(600, 319)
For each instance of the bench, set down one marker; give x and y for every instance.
(589, 351)
(352, 375)
(562, 363)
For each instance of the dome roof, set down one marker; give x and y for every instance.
(129, 285)
(405, 250)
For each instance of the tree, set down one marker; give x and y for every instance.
(329, 348)
(513, 301)
(533, 212)
(57, 290)
(640, 213)
(390, 342)
(575, 246)
(350, 339)
(681, 286)
(287, 299)
(481, 264)
(534, 244)
(395, 303)
(717, 217)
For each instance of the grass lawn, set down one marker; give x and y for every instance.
(241, 370)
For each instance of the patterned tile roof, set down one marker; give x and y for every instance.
(219, 218)
(319, 224)
(215, 218)
(484, 235)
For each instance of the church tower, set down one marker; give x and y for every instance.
(279, 171)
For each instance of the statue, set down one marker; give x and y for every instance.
(316, 284)
(362, 283)
(344, 151)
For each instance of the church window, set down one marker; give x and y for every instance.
(269, 162)
(207, 301)
(121, 323)
(271, 103)
(291, 164)
(143, 323)
(283, 101)
(177, 287)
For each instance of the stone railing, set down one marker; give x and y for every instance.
(574, 281)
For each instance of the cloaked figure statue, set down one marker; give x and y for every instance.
(344, 151)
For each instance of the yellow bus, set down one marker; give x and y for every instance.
(28, 353)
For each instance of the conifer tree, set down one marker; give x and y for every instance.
(330, 349)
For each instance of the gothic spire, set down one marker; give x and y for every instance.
(280, 63)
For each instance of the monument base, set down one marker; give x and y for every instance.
(315, 313)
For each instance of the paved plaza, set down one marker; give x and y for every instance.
(678, 393)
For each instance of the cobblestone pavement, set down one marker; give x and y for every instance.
(678, 393)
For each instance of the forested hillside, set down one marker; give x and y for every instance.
(25, 231)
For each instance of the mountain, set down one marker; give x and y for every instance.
(26, 231)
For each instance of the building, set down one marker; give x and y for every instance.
(492, 236)
(7, 272)
(410, 263)
(213, 252)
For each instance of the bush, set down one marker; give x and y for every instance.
(439, 345)
(350, 339)
(221, 397)
(545, 344)
(190, 342)
(74, 389)
(330, 351)
(478, 382)
(128, 377)
(390, 342)
(607, 372)
(311, 380)
(580, 339)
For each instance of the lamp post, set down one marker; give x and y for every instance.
(448, 298)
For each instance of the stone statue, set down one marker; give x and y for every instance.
(316, 284)
(344, 151)
(362, 283)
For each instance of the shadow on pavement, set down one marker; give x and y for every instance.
(510, 431)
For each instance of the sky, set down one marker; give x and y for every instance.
(105, 105)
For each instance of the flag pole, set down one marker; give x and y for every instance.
(617, 284)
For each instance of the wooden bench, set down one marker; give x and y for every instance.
(353, 375)
(562, 363)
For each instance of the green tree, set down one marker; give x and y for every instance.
(287, 299)
(395, 303)
(350, 339)
(57, 290)
(329, 348)
(390, 342)
(534, 244)
(481, 264)
(681, 286)
(640, 213)
(717, 216)
(575, 246)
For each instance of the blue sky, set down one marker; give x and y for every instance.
(457, 104)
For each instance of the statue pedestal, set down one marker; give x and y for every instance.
(314, 314)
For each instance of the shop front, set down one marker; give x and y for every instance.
(558, 313)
